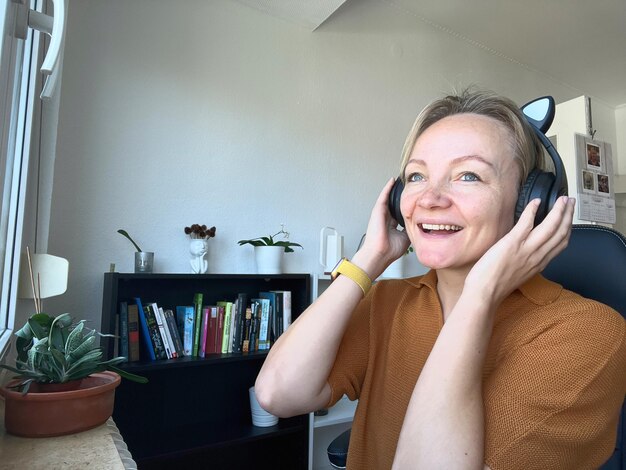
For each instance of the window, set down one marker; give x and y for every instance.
(18, 74)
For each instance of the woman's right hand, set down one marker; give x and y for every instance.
(384, 243)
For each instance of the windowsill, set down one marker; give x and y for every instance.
(98, 448)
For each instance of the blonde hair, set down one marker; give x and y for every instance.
(527, 149)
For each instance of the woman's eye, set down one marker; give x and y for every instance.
(470, 177)
(413, 177)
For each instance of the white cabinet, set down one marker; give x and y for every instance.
(323, 429)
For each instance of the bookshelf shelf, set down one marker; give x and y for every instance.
(195, 412)
(342, 412)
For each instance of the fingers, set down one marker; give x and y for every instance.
(552, 236)
(526, 221)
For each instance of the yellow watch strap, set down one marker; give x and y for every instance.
(356, 274)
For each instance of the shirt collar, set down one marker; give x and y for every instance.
(537, 289)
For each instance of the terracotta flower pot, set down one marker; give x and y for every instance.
(41, 414)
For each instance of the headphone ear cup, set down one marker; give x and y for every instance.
(539, 184)
(394, 201)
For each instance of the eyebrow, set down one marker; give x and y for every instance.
(457, 160)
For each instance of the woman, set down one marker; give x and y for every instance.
(480, 362)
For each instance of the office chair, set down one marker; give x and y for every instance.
(593, 265)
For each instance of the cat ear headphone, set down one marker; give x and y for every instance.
(546, 186)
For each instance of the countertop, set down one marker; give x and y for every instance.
(99, 448)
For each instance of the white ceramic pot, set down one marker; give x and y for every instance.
(198, 248)
(269, 259)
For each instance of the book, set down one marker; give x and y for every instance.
(263, 329)
(154, 309)
(197, 302)
(286, 304)
(228, 306)
(219, 331)
(274, 312)
(277, 325)
(212, 330)
(242, 300)
(170, 338)
(245, 342)
(253, 326)
(133, 333)
(123, 337)
(206, 319)
(233, 323)
(154, 334)
(186, 314)
(145, 330)
(171, 323)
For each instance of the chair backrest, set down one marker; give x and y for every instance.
(594, 266)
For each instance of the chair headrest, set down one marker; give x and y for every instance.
(593, 265)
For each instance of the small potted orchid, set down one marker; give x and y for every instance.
(268, 250)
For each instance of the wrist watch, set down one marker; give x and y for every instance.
(353, 272)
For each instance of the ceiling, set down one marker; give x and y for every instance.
(580, 44)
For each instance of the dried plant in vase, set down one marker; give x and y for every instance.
(199, 246)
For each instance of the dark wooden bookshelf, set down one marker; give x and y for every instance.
(195, 412)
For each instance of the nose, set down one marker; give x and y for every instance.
(429, 196)
(434, 195)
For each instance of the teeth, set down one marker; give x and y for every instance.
(441, 227)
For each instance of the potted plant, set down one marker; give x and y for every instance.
(144, 260)
(198, 246)
(63, 385)
(268, 251)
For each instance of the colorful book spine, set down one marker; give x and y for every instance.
(133, 333)
(245, 342)
(219, 331)
(206, 319)
(123, 339)
(155, 334)
(242, 300)
(168, 333)
(263, 336)
(197, 302)
(171, 323)
(145, 330)
(253, 327)
(233, 323)
(286, 318)
(185, 314)
(228, 306)
(154, 310)
(272, 322)
(277, 327)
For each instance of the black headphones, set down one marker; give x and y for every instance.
(539, 184)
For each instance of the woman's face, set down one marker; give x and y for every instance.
(460, 191)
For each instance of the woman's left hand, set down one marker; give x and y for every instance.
(522, 253)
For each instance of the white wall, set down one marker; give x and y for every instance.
(196, 111)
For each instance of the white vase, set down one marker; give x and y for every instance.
(198, 248)
(269, 259)
(395, 270)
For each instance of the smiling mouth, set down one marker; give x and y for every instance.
(429, 228)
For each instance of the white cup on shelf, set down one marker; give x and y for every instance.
(260, 417)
